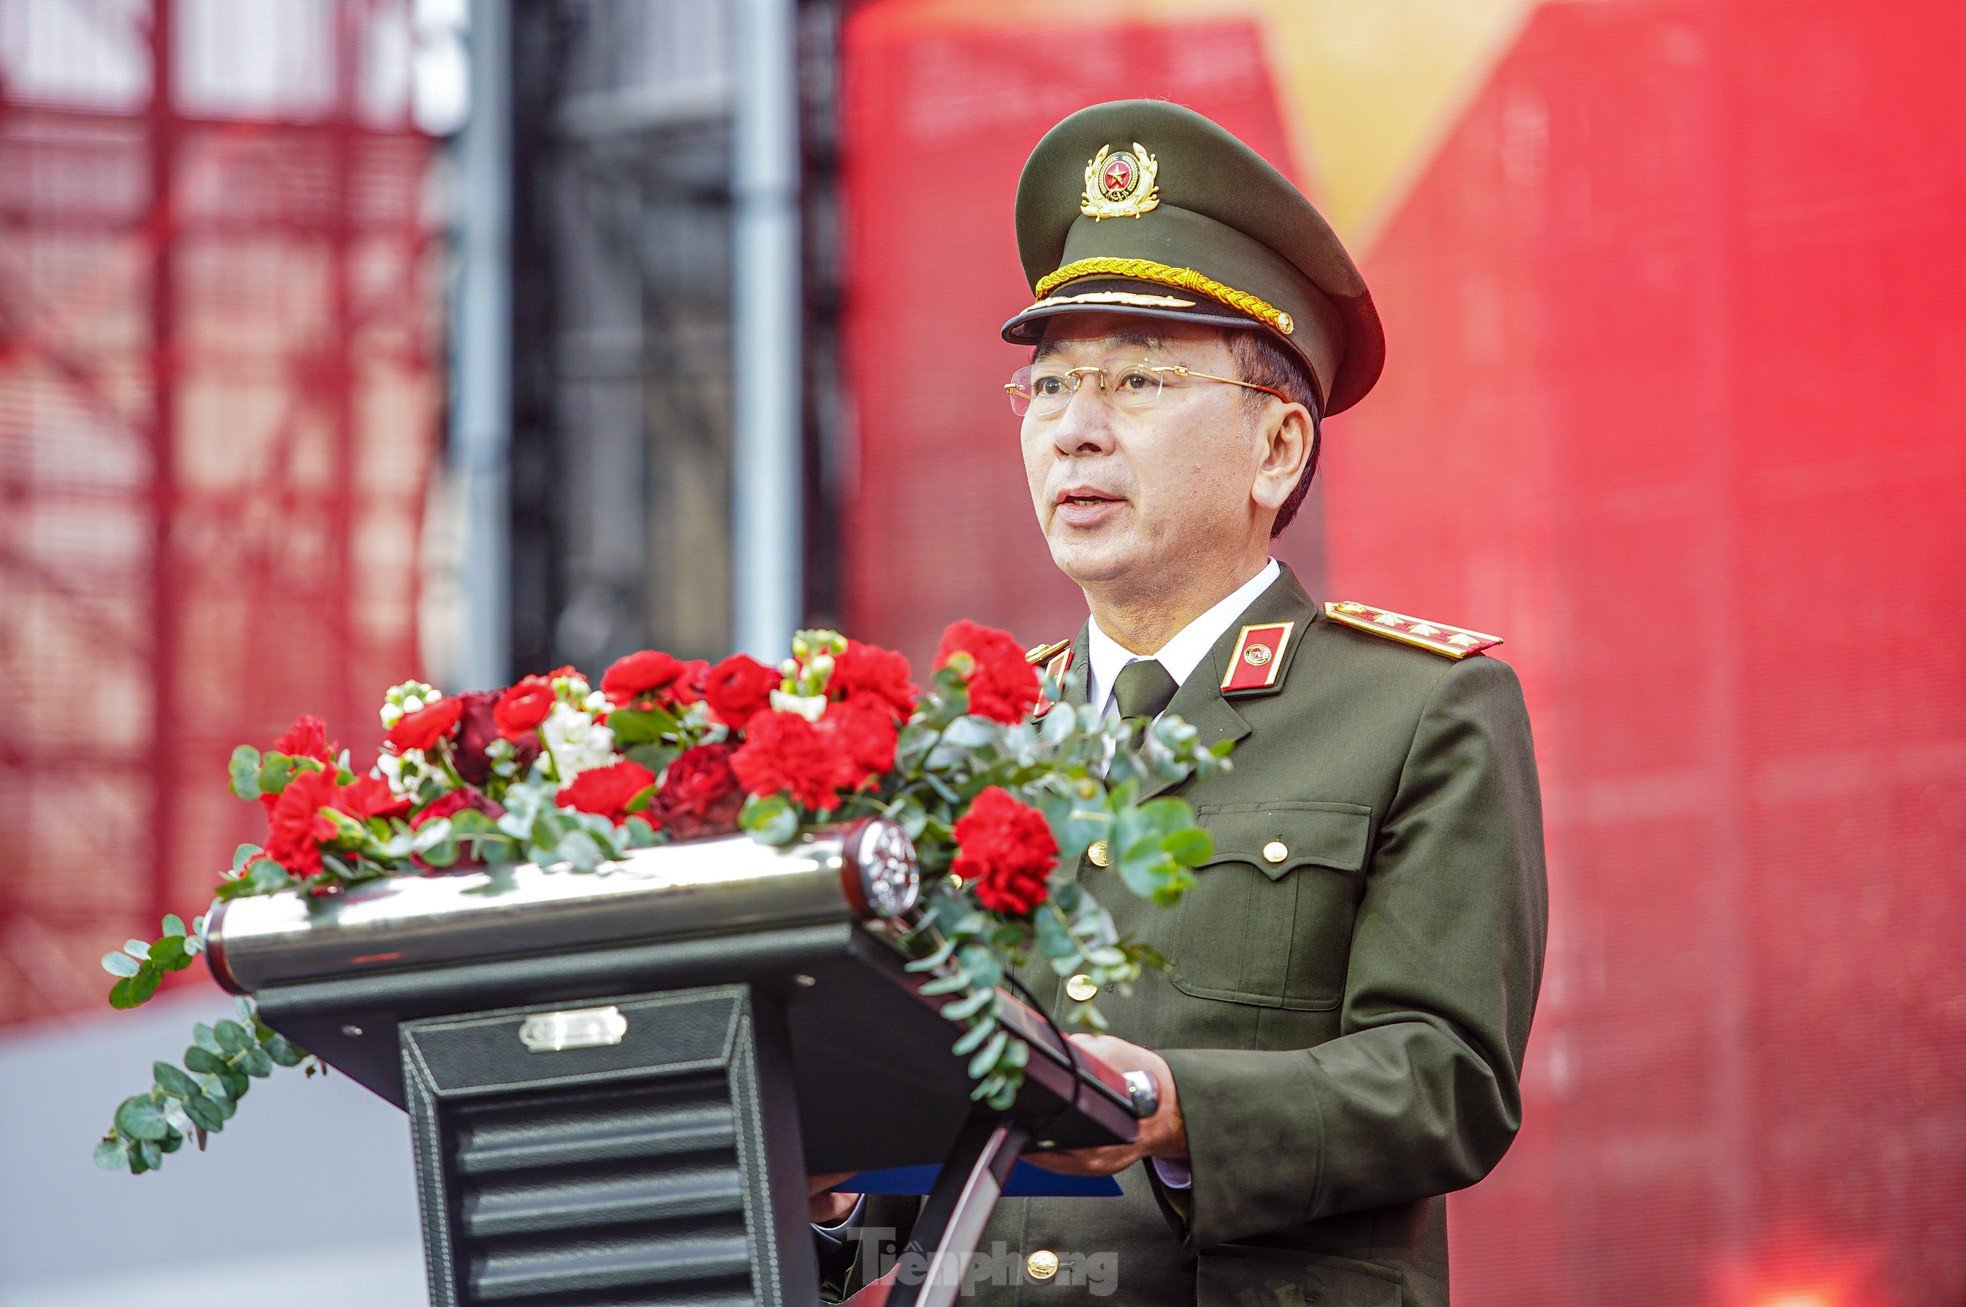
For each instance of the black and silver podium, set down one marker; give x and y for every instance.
(617, 1082)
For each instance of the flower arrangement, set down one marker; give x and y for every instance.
(554, 771)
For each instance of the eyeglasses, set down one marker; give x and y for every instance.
(1044, 392)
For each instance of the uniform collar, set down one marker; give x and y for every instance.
(1183, 653)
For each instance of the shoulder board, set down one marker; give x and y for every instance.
(1436, 637)
(1044, 653)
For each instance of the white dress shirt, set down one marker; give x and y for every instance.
(1105, 656)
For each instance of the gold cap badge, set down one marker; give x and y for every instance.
(1120, 184)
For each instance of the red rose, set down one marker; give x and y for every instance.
(739, 686)
(869, 671)
(306, 738)
(606, 791)
(783, 753)
(1007, 849)
(370, 796)
(449, 806)
(700, 794)
(1003, 685)
(639, 674)
(295, 828)
(865, 731)
(689, 684)
(424, 727)
(522, 708)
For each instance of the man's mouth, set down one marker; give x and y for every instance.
(1085, 495)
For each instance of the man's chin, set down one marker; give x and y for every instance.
(1091, 564)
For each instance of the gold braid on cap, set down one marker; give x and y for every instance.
(1180, 278)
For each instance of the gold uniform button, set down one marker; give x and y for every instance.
(1042, 1264)
(1099, 854)
(1275, 851)
(1080, 988)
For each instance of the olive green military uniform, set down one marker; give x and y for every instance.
(1353, 981)
(1355, 970)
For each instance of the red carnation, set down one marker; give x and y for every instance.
(783, 753)
(865, 731)
(700, 794)
(1007, 849)
(306, 738)
(1003, 685)
(639, 674)
(370, 796)
(424, 727)
(294, 824)
(522, 708)
(869, 671)
(738, 687)
(605, 791)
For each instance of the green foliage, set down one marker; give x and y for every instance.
(197, 1098)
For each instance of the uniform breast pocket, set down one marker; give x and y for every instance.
(1269, 921)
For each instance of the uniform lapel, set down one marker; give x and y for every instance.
(1200, 701)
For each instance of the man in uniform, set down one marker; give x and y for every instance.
(1340, 1039)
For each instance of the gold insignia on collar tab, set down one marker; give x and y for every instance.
(1120, 184)
(1435, 637)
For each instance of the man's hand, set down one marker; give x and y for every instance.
(827, 1208)
(1164, 1134)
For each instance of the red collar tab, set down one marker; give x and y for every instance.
(1258, 658)
(1054, 671)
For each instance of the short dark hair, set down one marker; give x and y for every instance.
(1268, 362)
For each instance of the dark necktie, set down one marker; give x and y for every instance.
(1143, 689)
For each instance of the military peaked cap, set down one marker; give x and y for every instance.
(1147, 208)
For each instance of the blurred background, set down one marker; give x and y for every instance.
(348, 340)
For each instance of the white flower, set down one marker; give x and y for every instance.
(596, 703)
(809, 706)
(575, 742)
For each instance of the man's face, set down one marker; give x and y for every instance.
(1129, 499)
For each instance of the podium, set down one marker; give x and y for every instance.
(618, 1081)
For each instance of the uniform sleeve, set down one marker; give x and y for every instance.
(1420, 1093)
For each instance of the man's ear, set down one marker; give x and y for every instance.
(1286, 433)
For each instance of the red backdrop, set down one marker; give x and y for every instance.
(1677, 315)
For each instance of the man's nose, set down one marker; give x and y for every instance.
(1086, 425)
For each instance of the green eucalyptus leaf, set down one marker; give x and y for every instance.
(110, 1154)
(275, 771)
(134, 991)
(232, 1037)
(256, 1063)
(137, 948)
(141, 1118)
(205, 1038)
(974, 1037)
(264, 874)
(1190, 847)
(965, 1008)
(282, 1051)
(202, 1059)
(120, 964)
(152, 1152)
(986, 1057)
(954, 983)
(771, 820)
(170, 954)
(244, 772)
(210, 1114)
(173, 924)
(172, 1141)
(172, 1080)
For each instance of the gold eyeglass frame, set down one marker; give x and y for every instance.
(1016, 392)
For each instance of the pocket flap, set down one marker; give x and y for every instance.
(1278, 838)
